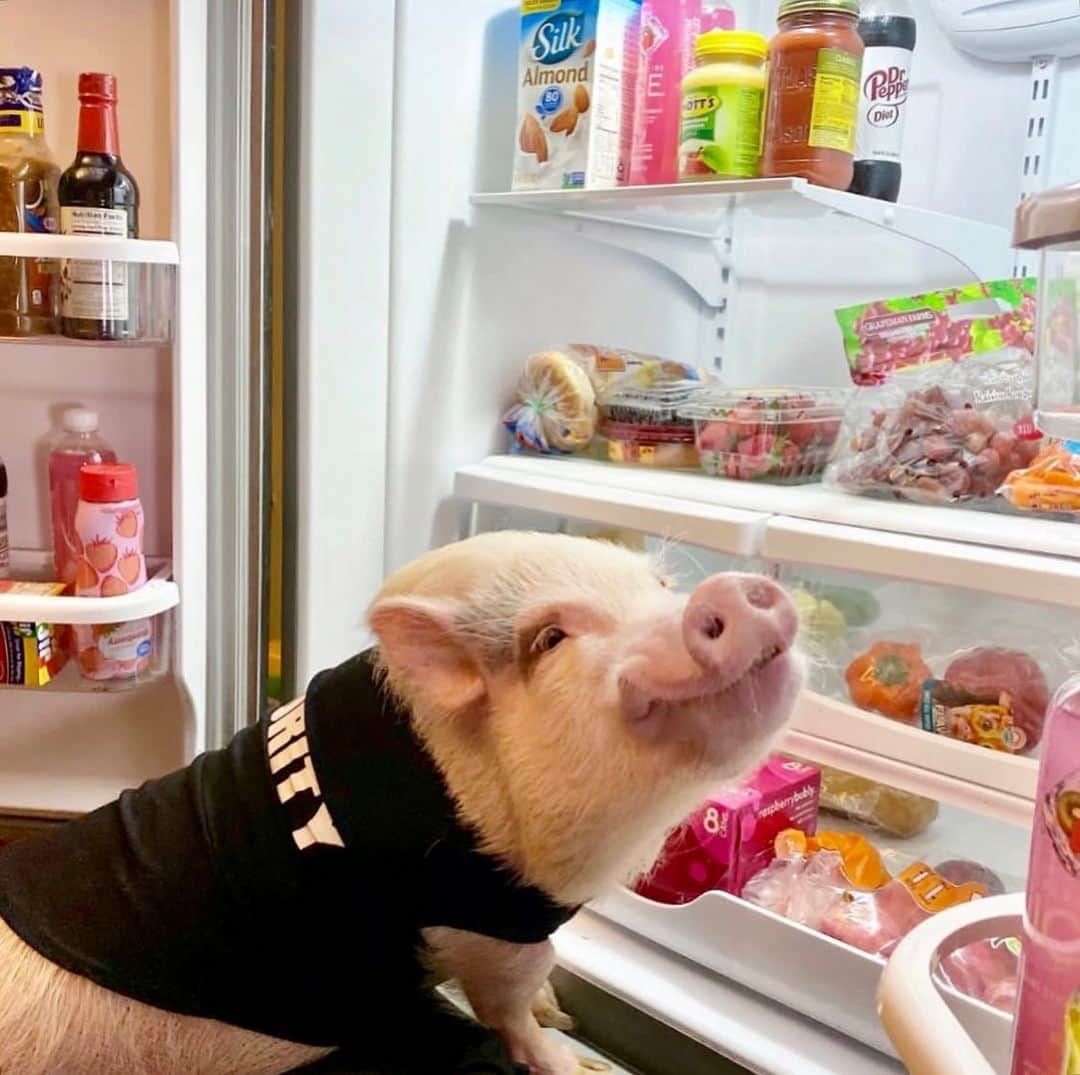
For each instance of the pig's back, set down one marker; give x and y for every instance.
(221, 891)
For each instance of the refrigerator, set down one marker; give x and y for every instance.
(346, 290)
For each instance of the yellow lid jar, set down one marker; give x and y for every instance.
(722, 101)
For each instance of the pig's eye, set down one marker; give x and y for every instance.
(548, 638)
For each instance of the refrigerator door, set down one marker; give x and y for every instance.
(340, 90)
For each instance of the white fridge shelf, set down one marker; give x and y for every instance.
(142, 269)
(647, 501)
(158, 595)
(686, 226)
(1023, 557)
(89, 248)
(824, 979)
(753, 1030)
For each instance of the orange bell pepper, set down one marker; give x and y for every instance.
(888, 679)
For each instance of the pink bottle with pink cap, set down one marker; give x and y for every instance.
(1047, 1035)
(669, 29)
(109, 527)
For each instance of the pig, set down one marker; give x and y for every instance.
(573, 707)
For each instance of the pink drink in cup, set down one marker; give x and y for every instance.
(77, 445)
(109, 524)
(1047, 1035)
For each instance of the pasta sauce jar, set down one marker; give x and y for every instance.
(815, 64)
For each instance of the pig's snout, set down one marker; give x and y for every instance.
(732, 621)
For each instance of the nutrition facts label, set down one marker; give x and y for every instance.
(95, 290)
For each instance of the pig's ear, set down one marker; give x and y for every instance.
(426, 654)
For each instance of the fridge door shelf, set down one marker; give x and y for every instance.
(145, 268)
(688, 227)
(153, 603)
(823, 979)
(988, 782)
(1029, 558)
(158, 595)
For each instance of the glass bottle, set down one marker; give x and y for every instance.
(99, 196)
(28, 178)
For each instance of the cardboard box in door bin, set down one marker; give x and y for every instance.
(577, 66)
(731, 836)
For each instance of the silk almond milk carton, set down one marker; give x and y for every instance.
(577, 68)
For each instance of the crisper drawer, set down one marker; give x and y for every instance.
(817, 976)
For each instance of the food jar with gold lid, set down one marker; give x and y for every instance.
(815, 64)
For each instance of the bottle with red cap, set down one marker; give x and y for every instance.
(109, 529)
(99, 196)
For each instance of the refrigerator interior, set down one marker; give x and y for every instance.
(480, 282)
(75, 744)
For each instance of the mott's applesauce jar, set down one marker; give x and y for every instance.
(815, 65)
(722, 100)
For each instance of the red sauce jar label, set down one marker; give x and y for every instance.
(835, 110)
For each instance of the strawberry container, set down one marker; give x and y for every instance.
(766, 434)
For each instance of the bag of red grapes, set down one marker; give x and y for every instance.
(891, 334)
(946, 433)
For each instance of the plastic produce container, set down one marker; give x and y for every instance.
(1050, 222)
(646, 426)
(766, 434)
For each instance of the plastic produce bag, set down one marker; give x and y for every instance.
(985, 970)
(875, 922)
(1051, 483)
(940, 434)
(918, 330)
(555, 405)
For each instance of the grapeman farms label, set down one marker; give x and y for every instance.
(882, 103)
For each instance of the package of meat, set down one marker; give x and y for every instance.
(940, 434)
(898, 812)
(990, 696)
(876, 921)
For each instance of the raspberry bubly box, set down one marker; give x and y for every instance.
(730, 837)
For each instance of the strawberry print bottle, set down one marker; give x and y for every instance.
(109, 529)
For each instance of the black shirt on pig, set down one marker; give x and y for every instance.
(279, 884)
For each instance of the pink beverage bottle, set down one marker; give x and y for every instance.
(77, 444)
(717, 15)
(1046, 1040)
(669, 29)
(109, 525)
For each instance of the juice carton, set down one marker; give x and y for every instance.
(577, 66)
(1046, 1040)
(731, 837)
(669, 29)
(30, 653)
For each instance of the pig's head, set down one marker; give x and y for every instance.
(577, 705)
